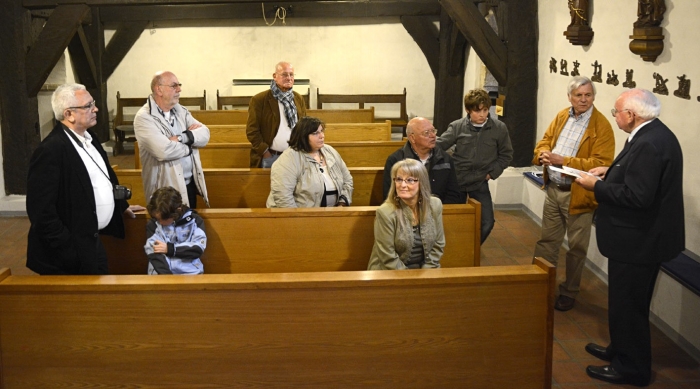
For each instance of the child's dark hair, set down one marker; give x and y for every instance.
(167, 202)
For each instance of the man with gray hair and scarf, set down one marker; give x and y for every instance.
(272, 115)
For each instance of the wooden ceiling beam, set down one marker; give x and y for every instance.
(480, 35)
(426, 34)
(123, 39)
(295, 10)
(38, 4)
(53, 40)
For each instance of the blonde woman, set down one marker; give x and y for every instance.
(408, 230)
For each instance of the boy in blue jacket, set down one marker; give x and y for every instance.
(175, 237)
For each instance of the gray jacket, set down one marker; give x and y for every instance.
(297, 182)
(160, 157)
(392, 248)
(477, 153)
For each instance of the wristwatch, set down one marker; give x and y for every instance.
(179, 138)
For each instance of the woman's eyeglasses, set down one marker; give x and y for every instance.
(408, 181)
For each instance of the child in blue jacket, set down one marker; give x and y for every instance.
(175, 237)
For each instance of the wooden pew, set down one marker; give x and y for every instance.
(124, 121)
(486, 328)
(255, 240)
(335, 132)
(237, 155)
(249, 188)
(242, 102)
(399, 120)
(240, 116)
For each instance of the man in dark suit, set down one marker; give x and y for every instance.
(70, 192)
(639, 224)
(272, 115)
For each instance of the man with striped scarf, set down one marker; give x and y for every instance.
(272, 115)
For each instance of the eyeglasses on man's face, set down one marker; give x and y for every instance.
(428, 133)
(286, 75)
(174, 85)
(408, 181)
(615, 111)
(89, 106)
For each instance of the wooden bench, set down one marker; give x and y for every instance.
(261, 240)
(124, 121)
(242, 102)
(240, 116)
(335, 132)
(486, 328)
(237, 155)
(249, 188)
(399, 120)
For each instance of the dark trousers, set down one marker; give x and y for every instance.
(483, 195)
(631, 287)
(192, 194)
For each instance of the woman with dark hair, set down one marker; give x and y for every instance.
(309, 173)
(408, 230)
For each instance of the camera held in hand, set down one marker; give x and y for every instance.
(121, 192)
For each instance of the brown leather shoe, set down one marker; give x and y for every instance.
(564, 303)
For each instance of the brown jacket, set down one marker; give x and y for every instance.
(264, 121)
(597, 149)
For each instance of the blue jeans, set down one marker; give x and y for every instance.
(483, 195)
(267, 162)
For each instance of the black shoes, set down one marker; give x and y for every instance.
(609, 374)
(599, 352)
(564, 303)
(606, 373)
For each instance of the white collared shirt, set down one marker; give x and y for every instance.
(636, 130)
(101, 184)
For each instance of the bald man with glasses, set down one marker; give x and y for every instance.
(169, 142)
(420, 146)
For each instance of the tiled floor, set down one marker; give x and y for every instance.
(511, 242)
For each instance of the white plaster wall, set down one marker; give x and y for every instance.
(372, 58)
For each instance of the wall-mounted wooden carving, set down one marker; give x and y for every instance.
(597, 72)
(564, 68)
(552, 65)
(660, 87)
(629, 83)
(579, 32)
(612, 79)
(647, 38)
(683, 90)
(575, 72)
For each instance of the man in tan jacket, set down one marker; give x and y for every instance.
(579, 137)
(272, 115)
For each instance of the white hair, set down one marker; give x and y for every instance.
(64, 97)
(642, 102)
(578, 82)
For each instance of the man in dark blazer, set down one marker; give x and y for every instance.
(639, 224)
(70, 192)
(272, 115)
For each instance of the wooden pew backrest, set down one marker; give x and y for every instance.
(249, 188)
(237, 155)
(399, 120)
(294, 240)
(335, 132)
(310, 330)
(240, 116)
(242, 102)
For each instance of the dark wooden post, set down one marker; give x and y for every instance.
(20, 113)
(449, 85)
